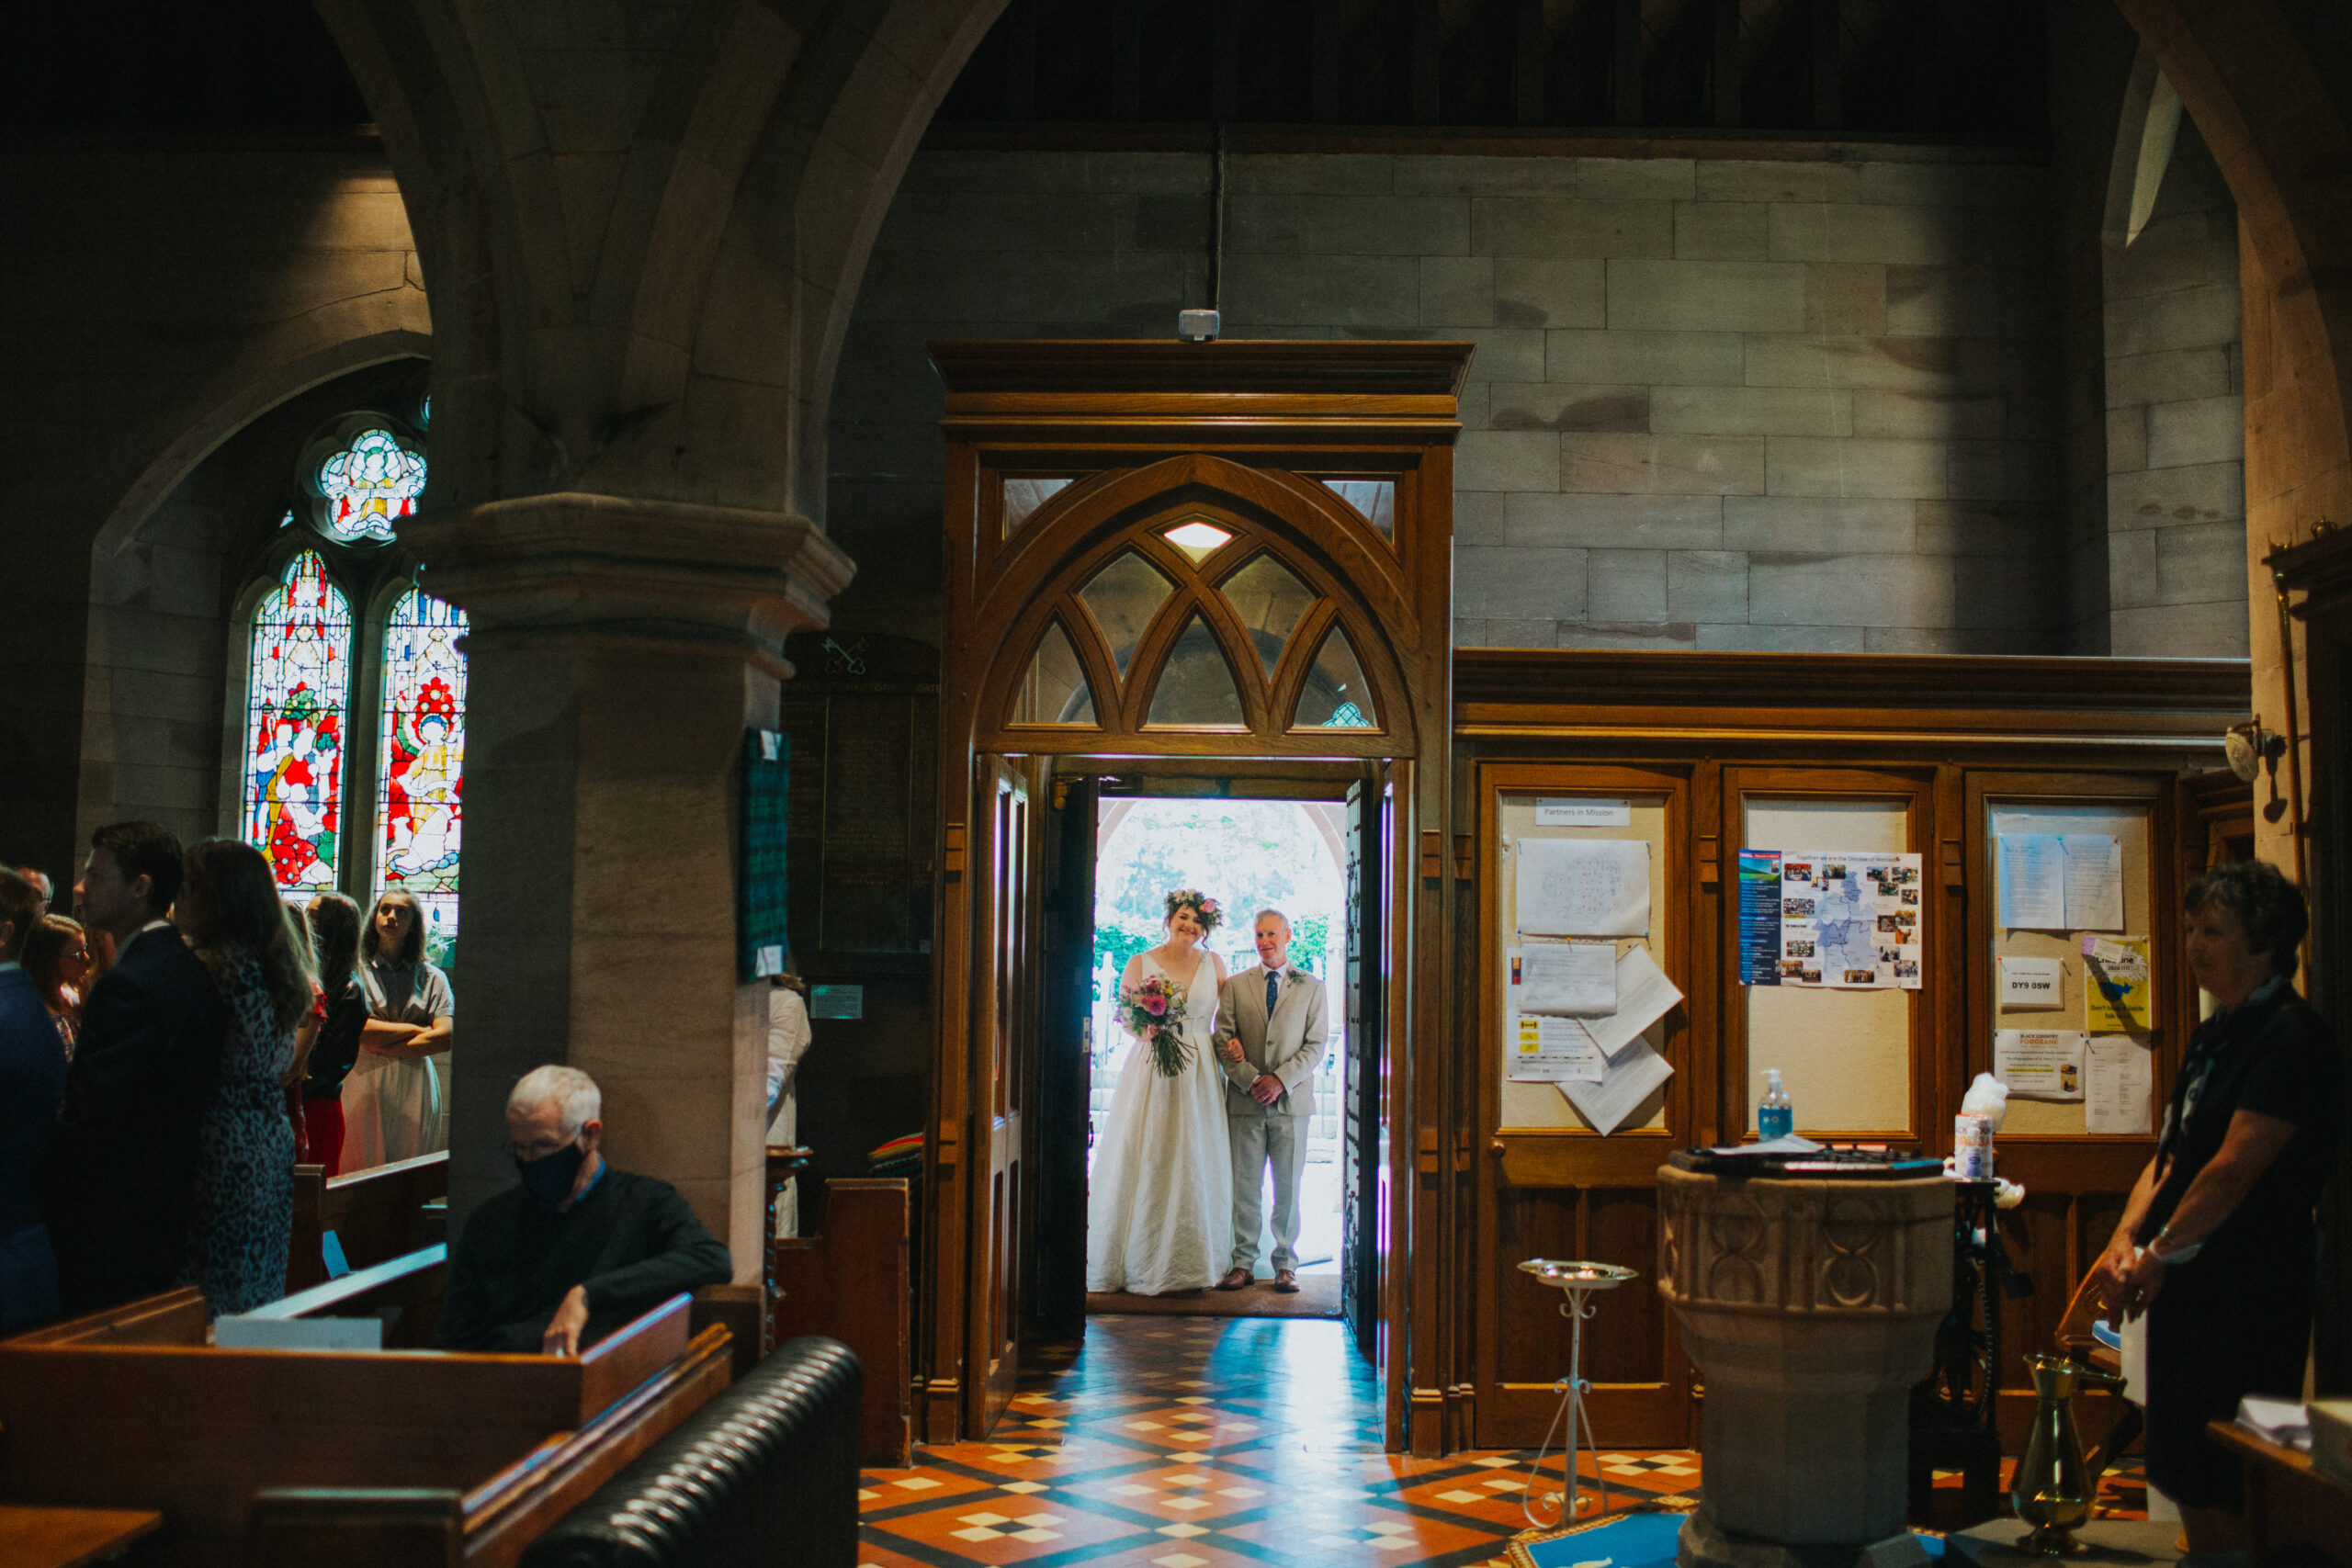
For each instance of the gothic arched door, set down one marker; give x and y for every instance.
(1162, 550)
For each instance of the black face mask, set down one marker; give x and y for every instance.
(550, 1179)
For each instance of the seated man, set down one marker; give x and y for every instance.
(579, 1248)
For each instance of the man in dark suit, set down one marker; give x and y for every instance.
(117, 1188)
(32, 1082)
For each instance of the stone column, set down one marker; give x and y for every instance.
(1810, 1309)
(619, 648)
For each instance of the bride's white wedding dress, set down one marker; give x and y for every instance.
(1159, 1207)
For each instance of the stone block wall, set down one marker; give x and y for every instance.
(1716, 403)
(159, 300)
(2175, 438)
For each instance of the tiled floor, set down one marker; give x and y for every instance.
(1186, 1442)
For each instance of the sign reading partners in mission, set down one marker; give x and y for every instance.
(760, 890)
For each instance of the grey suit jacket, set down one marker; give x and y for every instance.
(1289, 1045)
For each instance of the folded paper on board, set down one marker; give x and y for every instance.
(1629, 1080)
(1644, 995)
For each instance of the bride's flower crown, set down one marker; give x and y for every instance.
(1205, 908)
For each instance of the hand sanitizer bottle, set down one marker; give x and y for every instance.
(1776, 1118)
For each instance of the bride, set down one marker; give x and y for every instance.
(1160, 1209)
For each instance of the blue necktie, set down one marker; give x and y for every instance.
(1274, 980)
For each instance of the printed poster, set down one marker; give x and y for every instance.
(1849, 920)
(2040, 1063)
(2115, 984)
(1759, 917)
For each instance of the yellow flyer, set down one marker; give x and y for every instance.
(2115, 988)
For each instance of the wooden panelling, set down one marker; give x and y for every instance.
(1940, 737)
(1564, 1191)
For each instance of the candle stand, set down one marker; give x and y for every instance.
(1577, 1282)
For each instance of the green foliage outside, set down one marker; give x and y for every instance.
(1247, 855)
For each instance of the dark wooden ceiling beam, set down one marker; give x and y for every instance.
(1725, 84)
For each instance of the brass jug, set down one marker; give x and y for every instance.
(2053, 1485)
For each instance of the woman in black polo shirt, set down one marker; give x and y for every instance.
(2217, 1244)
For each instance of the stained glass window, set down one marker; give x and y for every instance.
(420, 761)
(369, 485)
(296, 684)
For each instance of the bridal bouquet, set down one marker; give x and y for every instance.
(1158, 1005)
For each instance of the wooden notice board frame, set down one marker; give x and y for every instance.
(1915, 790)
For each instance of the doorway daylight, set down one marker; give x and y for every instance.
(1249, 856)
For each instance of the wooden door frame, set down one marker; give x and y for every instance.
(1260, 430)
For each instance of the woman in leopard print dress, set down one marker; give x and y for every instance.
(230, 914)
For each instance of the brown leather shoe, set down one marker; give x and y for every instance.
(1286, 1281)
(1238, 1280)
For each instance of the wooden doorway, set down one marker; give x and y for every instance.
(1092, 799)
(1165, 554)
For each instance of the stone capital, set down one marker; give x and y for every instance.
(572, 568)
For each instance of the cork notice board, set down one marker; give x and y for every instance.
(1845, 1056)
(2127, 823)
(1541, 1106)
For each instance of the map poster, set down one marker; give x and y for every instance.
(1849, 920)
(1759, 917)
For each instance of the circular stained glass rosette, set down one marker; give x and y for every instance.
(368, 485)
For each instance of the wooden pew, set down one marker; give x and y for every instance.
(136, 1411)
(850, 1284)
(376, 1215)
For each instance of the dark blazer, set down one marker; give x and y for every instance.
(32, 1082)
(118, 1186)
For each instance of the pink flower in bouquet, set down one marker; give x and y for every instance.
(1154, 1004)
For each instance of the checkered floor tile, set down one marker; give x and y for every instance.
(1173, 1442)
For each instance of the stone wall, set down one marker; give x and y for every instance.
(2176, 420)
(158, 300)
(1716, 404)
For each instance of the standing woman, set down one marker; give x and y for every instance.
(57, 957)
(231, 914)
(334, 1047)
(2217, 1245)
(391, 1101)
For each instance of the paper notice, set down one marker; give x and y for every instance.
(1629, 1081)
(2040, 1063)
(1568, 979)
(1644, 995)
(1849, 919)
(2033, 982)
(2115, 984)
(2033, 881)
(1554, 1050)
(1584, 814)
(2094, 882)
(2118, 1077)
(1584, 886)
(1759, 917)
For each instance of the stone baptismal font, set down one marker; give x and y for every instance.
(1810, 1308)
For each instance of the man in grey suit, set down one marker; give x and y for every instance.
(1269, 1028)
